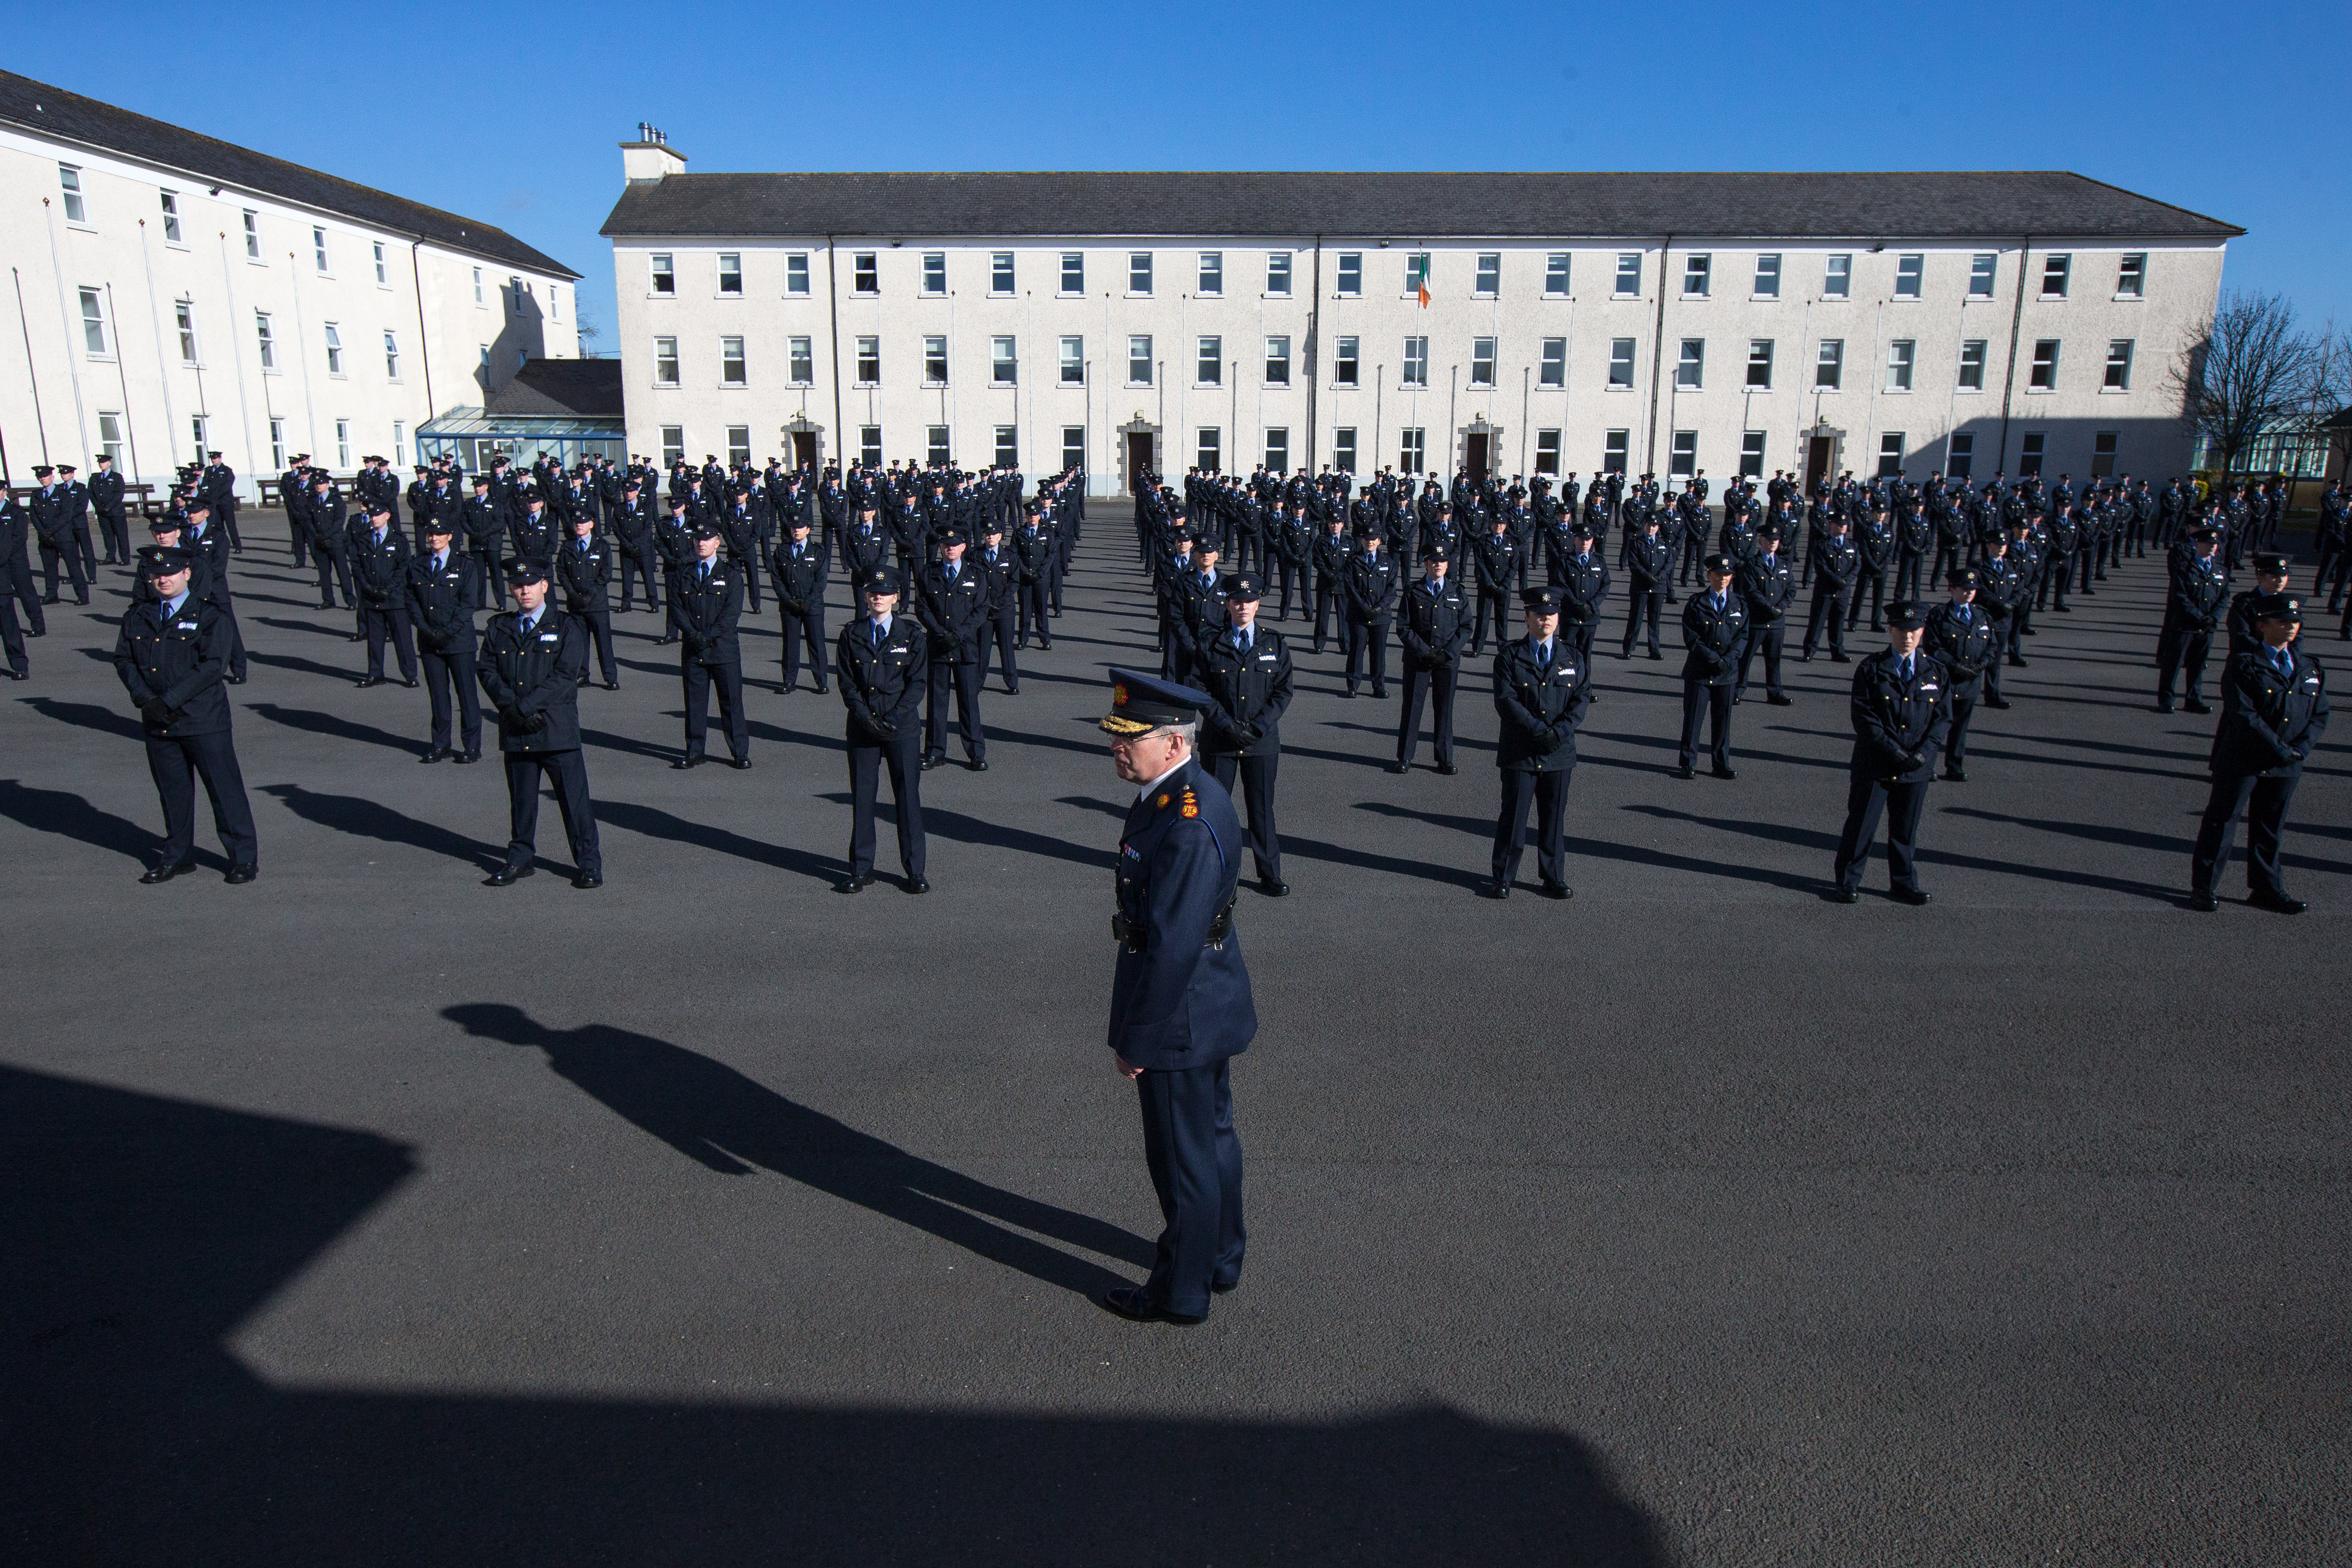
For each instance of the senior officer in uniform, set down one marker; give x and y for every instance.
(1247, 675)
(583, 570)
(882, 666)
(1965, 641)
(532, 661)
(1542, 687)
(1714, 628)
(1435, 629)
(2273, 711)
(1180, 1005)
(173, 653)
(708, 598)
(953, 604)
(444, 586)
(379, 556)
(1902, 709)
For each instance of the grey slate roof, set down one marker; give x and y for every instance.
(1406, 207)
(585, 387)
(54, 112)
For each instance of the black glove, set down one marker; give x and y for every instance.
(156, 712)
(881, 726)
(1247, 734)
(510, 716)
(1912, 761)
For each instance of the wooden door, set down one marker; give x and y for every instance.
(1817, 459)
(804, 450)
(1139, 458)
(1474, 455)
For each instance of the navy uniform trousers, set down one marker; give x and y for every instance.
(570, 775)
(176, 765)
(1195, 1160)
(441, 671)
(1548, 793)
(1866, 799)
(2264, 802)
(1257, 775)
(903, 754)
(728, 676)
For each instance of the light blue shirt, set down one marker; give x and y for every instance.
(172, 605)
(1543, 651)
(531, 622)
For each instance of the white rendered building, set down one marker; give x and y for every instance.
(170, 294)
(1666, 323)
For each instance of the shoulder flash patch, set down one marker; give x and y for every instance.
(1161, 802)
(1192, 805)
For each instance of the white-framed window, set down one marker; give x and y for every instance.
(1348, 275)
(319, 258)
(1682, 455)
(1698, 276)
(1277, 274)
(400, 444)
(554, 303)
(334, 350)
(1138, 360)
(739, 445)
(1414, 371)
(1277, 449)
(1972, 364)
(800, 354)
(1489, 279)
(1960, 454)
(796, 274)
(673, 445)
(265, 340)
(665, 361)
(342, 442)
(1628, 275)
(1690, 368)
(184, 318)
(999, 272)
(170, 201)
(865, 273)
(936, 450)
(1548, 451)
(730, 274)
(1343, 449)
(2131, 276)
(1760, 365)
(1482, 362)
(661, 270)
(1828, 365)
(391, 354)
(1008, 447)
(110, 436)
(1208, 448)
(1417, 273)
(1209, 361)
(486, 364)
(869, 444)
(480, 299)
(733, 370)
(1003, 361)
(1901, 355)
(1277, 361)
(70, 186)
(252, 235)
(1345, 357)
(1074, 447)
(1767, 276)
(1073, 272)
(1752, 454)
(278, 444)
(2103, 452)
(1074, 362)
(1138, 272)
(1837, 278)
(935, 360)
(1554, 365)
(935, 272)
(1413, 449)
(1984, 272)
(199, 441)
(1890, 455)
(1620, 364)
(2119, 365)
(382, 271)
(2043, 377)
(869, 360)
(1212, 272)
(2056, 272)
(1555, 270)
(1910, 273)
(97, 340)
(515, 292)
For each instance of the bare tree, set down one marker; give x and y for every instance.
(585, 327)
(2252, 371)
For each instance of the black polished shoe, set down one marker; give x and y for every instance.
(1685, 770)
(19, 675)
(586, 880)
(1498, 892)
(739, 763)
(507, 875)
(238, 876)
(1448, 769)
(664, 642)
(1134, 1303)
(611, 686)
(931, 762)
(822, 689)
(915, 885)
(156, 874)
(1997, 703)
(977, 764)
(2277, 903)
(1559, 891)
(464, 757)
(2203, 903)
(409, 681)
(1273, 887)
(1399, 767)
(367, 680)
(2194, 706)
(356, 636)
(681, 764)
(1654, 654)
(1780, 701)
(1724, 773)
(435, 754)
(1843, 895)
(2164, 707)
(1914, 897)
(855, 885)
(1955, 775)
(1224, 1288)
(1839, 658)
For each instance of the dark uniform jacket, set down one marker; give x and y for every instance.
(1252, 690)
(172, 666)
(1498, 557)
(586, 579)
(1435, 627)
(441, 604)
(955, 612)
(861, 552)
(1648, 561)
(1181, 996)
(1894, 720)
(883, 686)
(1369, 585)
(1836, 562)
(1540, 705)
(379, 572)
(1003, 574)
(106, 493)
(486, 524)
(1036, 550)
(800, 584)
(2270, 720)
(214, 547)
(1963, 647)
(1583, 583)
(1712, 636)
(532, 679)
(325, 515)
(2198, 588)
(1768, 590)
(709, 609)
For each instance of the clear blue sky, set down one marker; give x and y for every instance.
(511, 114)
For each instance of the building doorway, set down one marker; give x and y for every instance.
(1821, 451)
(804, 450)
(1474, 454)
(1139, 459)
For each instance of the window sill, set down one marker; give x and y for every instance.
(1896, 390)
(723, 297)
(1967, 391)
(1132, 294)
(1702, 298)
(2130, 298)
(1284, 298)
(2050, 297)
(2039, 391)
(1614, 386)
(81, 228)
(668, 386)
(1763, 298)
(256, 262)
(650, 294)
(1003, 385)
(1837, 300)
(864, 385)
(1551, 386)
(1337, 296)
(1552, 296)
(734, 386)
(803, 296)
(1475, 295)
(1139, 386)
(1754, 386)
(1070, 383)
(1274, 387)
(2115, 391)
(1624, 296)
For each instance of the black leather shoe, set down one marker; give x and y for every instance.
(918, 885)
(1724, 773)
(1559, 891)
(1955, 775)
(2194, 706)
(19, 675)
(507, 875)
(1685, 770)
(464, 757)
(435, 754)
(238, 876)
(156, 874)
(2203, 903)
(931, 762)
(1781, 702)
(1846, 895)
(1655, 654)
(2164, 707)
(1135, 1304)
(1273, 887)
(1380, 694)
(366, 681)
(1448, 769)
(1398, 767)
(1997, 703)
(611, 686)
(587, 879)
(1914, 897)
(1498, 892)
(409, 681)
(1839, 658)
(1224, 1288)
(1804, 658)
(977, 764)
(739, 763)
(822, 689)
(2277, 904)
(855, 885)
(356, 636)
(664, 642)
(681, 764)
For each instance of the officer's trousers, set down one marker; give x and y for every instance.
(1643, 606)
(1828, 613)
(334, 566)
(2265, 802)
(12, 636)
(1877, 581)
(2179, 649)
(1195, 1160)
(599, 618)
(728, 678)
(902, 754)
(1908, 566)
(1256, 775)
(999, 629)
(1433, 681)
(114, 528)
(637, 560)
(1866, 799)
(1769, 637)
(569, 773)
(388, 623)
(1367, 643)
(808, 630)
(960, 667)
(1495, 609)
(49, 553)
(1956, 739)
(176, 764)
(1548, 793)
(1710, 706)
(442, 671)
